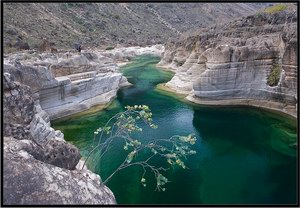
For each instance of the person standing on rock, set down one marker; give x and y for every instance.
(78, 47)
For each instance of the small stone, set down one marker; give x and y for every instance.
(14, 92)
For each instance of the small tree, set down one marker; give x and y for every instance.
(173, 150)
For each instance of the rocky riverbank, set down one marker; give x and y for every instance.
(250, 61)
(40, 167)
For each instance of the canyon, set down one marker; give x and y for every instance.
(248, 61)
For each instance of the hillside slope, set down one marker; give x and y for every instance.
(108, 24)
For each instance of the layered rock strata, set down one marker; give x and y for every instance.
(39, 167)
(66, 85)
(234, 63)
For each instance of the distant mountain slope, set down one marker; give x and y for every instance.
(108, 24)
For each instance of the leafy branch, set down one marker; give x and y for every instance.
(173, 150)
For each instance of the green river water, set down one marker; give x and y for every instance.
(242, 156)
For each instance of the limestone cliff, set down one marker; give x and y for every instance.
(39, 167)
(234, 63)
(66, 83)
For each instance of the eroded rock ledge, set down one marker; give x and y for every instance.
(230, 64)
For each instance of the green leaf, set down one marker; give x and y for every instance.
(130, 156)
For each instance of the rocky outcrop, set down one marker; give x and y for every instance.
(46, 45)
(67, 83)
(18, 111)
(39, 167)
(233, 63)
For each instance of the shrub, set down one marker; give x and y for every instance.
(274, 76)
(117, 16)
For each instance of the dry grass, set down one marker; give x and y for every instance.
(276, 8)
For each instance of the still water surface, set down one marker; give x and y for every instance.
(242, 156)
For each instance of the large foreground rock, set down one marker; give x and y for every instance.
(28, 181)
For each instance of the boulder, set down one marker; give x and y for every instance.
(30, 181)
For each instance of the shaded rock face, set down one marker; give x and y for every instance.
(18, 108)
(39, 167)
(235, 60)
(24, 119)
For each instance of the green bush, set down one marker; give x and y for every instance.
(276, 8)
(109, 48)
(274, 76)
(117, 16)
(33, 42)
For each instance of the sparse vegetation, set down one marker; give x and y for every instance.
(274, 76)
(10, 50)
(276, 8)
(69, 22)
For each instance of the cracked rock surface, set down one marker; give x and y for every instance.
(29, 181)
